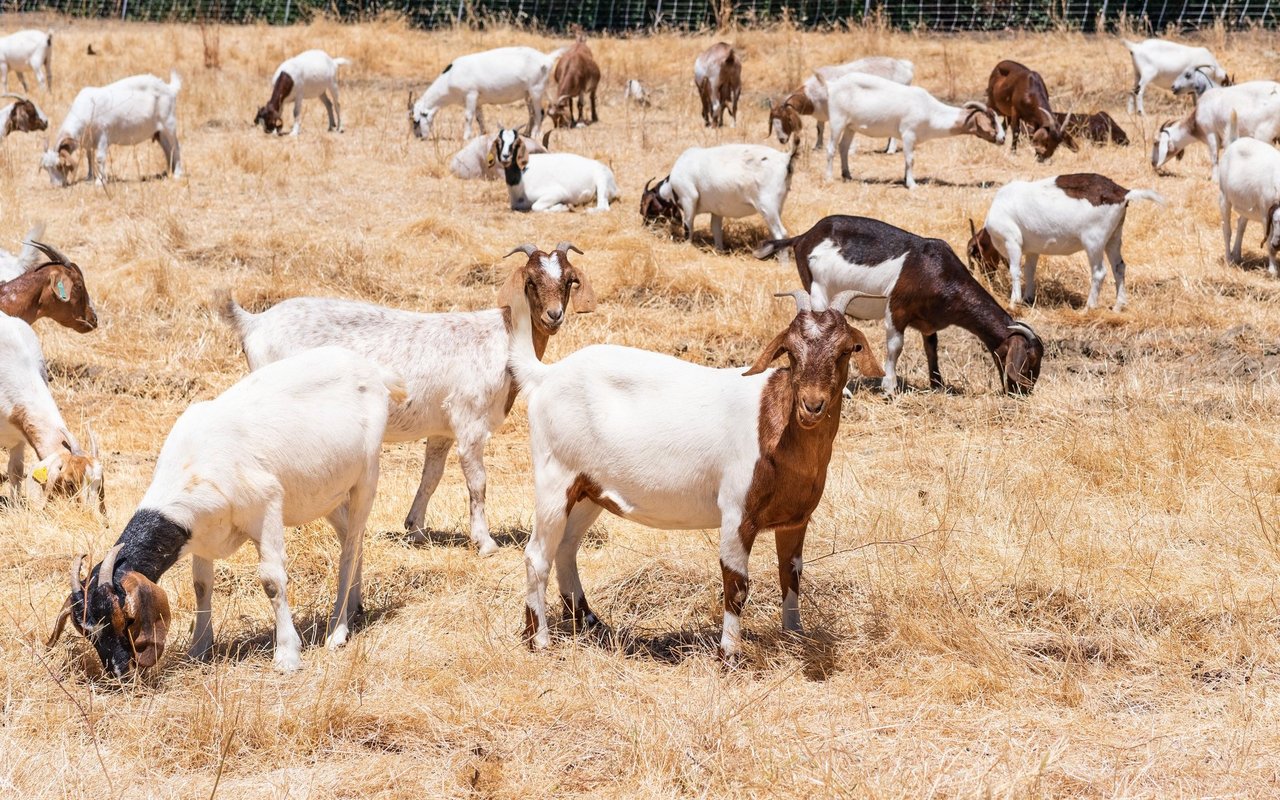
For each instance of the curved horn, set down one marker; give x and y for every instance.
(526, 248)
(841, 301)
(1025, 330)
(977, 106)
(565, 247)
(51, 253)
(17, 97)
(803, 301)
(77, 581)
(651, 180)
(108, 568)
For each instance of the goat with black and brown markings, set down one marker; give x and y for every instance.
(910, 282)
(680, 446)
(576, 75)
(1098, 127)
(717, 72)
(1057, 216)
(54, 289)
(1019, 95)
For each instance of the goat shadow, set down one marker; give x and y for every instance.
(312, 629)
(923, 182)
(595, 537)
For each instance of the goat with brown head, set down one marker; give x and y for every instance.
(68, 472)
(23, 115)
(655, 209)
(547, 280)
(55, 289)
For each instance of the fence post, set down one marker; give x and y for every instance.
(124, 9)
(287, 3)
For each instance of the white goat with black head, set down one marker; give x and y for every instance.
(550, 181)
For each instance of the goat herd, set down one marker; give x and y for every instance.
(300, 436)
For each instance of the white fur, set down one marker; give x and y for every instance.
(13, 266)
(315, 75)
(898, 70)
(873, 106)
(1161, 63)
(1249, 183)
(635, 92)
(128, 112)
(27, 51)
(490, 77)
(555, 181)
(1256, 106)
(832, 275)
(471, 162)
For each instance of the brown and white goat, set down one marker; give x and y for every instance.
(55, 290)
(576, 75)
(910, 282)
(717, 73)
(1098, 127)
(1019, 95)
(20, 115)
(674, 445)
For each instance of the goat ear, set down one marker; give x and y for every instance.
(771, 351)
(1266, 223)
(513, 286)
(584, 297)
(148, 608)
(522, 154)
(58, 285)
(863, 358)
(973, 229)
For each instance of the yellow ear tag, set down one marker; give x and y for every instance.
(490, 160)
(40, 475)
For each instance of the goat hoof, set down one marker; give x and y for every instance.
(488, 546)
(729, 661)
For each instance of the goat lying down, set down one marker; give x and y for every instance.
(550, 181)
(472, 162)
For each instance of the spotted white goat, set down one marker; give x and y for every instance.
(130, 111)
(1057, 217)
(670, 444)
(472, 162)
(307, 75)
(454, 364)
(490, 77)
(287, 444)
(873, 106)
(27, 51)
(1158, 62)
(811, 98)
(1255, 104)
(550, 181)
(29, 417)
(1249, 184)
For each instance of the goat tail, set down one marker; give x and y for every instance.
(231, 313)
(30, 256)
(175, 81)
(394, 383)
(1233, 128)
(522, 359)
(1144, 194)
(1131, 45)
(554, 54)
(48, 60)
(773, 246)
(342, 62)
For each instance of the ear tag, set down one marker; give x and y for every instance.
(40, 475)
(490, 161)
(61, 290)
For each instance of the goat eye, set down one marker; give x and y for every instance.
(857, 348)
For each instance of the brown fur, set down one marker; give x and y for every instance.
(584, 488)
(1019, 95)
(1098, 127)
(270, 116)
(24, 117)
(789, 111)
(1099, 190)
(654, 209)
(729, 88)
(146, 607)
(33, 295)
(576, 75)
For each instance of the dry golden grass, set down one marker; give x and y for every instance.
(1069, 595)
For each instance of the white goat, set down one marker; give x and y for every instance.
(27, 51)
(287, 444)
(21, 115)
(29, 417)
(873, 106)
(731, 180)
(454, 365)
(1158, 62)
(14, 266)
(635, 92)
(811, 98)
(490, 77)
(1057, 217)
(472, 161)
(313, 73)
(1249, 183)
(128, 112)
(674, 445)
(1255, 104)
(550, 181)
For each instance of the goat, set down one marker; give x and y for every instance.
(811, 98)
(550, 181)
(129, 111)
(1097, 127)
(21, 115)
(27, 51)
(910, 282)
(29, 417)
(490, 77)
(454, 365)
(576, 75)
(55, 289)
(472, 161)
(287, 444)
(1199, 80)
(1019, 95)
(1058, 217)
(731, 180)
(635, 92)
(670, 444)
(1249, 183)
(717, 74)
(1256, 105)
(313, 73)
(1158, 62)
(874, 106)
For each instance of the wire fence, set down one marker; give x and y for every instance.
(637, 15)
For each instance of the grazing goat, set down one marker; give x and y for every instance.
(54, 289)
(1255, 104)
(25, 51)
(313, 73)
(717, 73)
(550, 181)
(29, 417)
(1199, 80)
(1098, 127)
(288, 444)
(472, 162)
(454, 365)
(674, 445)
(811, 98)
(731, 180)
(1019, 95)
(1158, 62)
(490, 77)
(21, 115)
(1249, 183)
(128, 112)
(1057, 217)
(635, 92)
(910, 282)
(874, 106)
(576, 75)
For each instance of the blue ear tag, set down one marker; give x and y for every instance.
(60, 290)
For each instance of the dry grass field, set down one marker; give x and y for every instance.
(1073, 594)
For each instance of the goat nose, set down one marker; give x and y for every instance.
(814, 408)
(555, 314)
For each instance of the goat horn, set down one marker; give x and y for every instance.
(108, 568)
(841, 301)
(651, 180)
(977, 106)
(1018, 327)
(51, 252)
(565, 247)
(14, 96)
(527, 249)
(77, 582)
(803, 302)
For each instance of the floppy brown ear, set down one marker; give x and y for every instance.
(584, 297)
(1266, 223)
(771, 351)
(148, 609)
(522, 154)
(513, 286)
(863, 358)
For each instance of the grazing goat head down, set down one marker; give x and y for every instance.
(546, 280)
(654, 209)
(62, 163)
(269, 116)
(23, 116)
(69, 472)
(54, 289)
